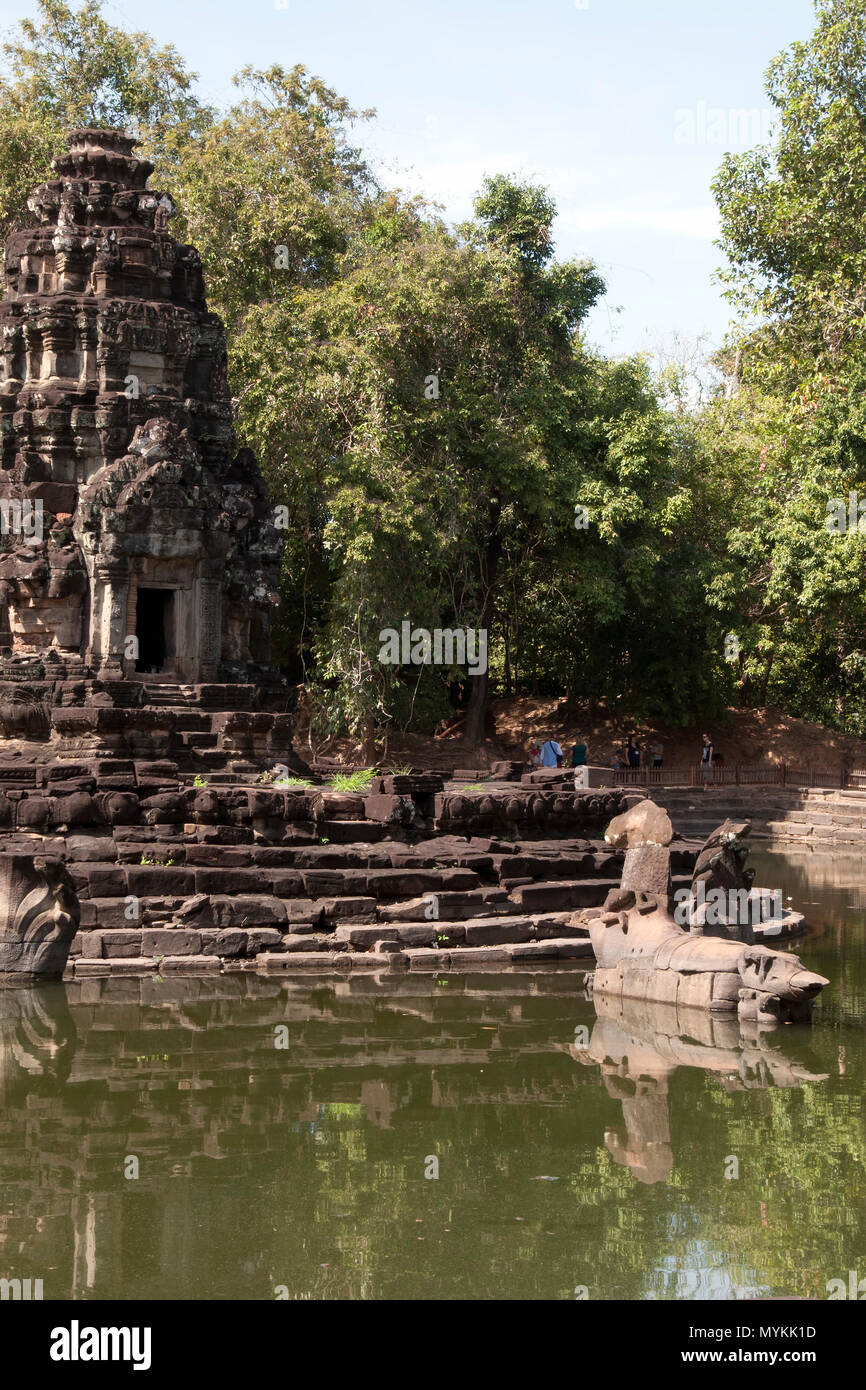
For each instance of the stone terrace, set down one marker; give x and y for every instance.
(237, 875)
(813, 816)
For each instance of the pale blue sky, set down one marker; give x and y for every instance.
(622, 108)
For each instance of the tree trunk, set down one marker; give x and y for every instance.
(766, 680)
(368, 742)
(476, 711)
(479, 686)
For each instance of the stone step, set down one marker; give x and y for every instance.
(196, 740)
(682, 819)
(472, 931)
(469, 959)
(696, 830)
(192, 721)
(737, 809)
(827, 815)
(425, 959)
(798, 830)
(172, 697)
(149, 941)
(573, 894)
(390, 873)
(729, 795)
(225, 910)
(349, 831)
(184, 880)
(562, 896)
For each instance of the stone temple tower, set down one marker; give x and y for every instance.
(137, 544)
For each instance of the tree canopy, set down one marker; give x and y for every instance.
(445, 445)
(794, 427)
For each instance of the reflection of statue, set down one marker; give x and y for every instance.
(39, 915)
(37, 1039)
(638, 1046)
(643, 954)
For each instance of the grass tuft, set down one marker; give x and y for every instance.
(353, 781)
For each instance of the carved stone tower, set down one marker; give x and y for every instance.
(136, 542)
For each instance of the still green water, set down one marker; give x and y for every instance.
(567, 1161)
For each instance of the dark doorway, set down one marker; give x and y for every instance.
(153, 615)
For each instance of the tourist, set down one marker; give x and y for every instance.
(616, 761)
(707, 760)
(551, 753)
(578, 755)
(534, 752)
(632, 750)
(657, 752)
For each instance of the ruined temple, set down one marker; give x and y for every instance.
(147, 818)
(145, 742)
(138, 545)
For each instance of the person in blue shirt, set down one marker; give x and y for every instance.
(551, 754)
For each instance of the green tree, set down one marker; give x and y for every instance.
(792, 423)
(275, 196)
(444, 365)
(72, 68)
(272, 192)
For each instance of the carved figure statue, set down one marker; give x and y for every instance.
(39, 915)
(642, 953)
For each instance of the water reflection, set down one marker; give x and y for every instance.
(638, 1046)
(37, 1039)
(233, 1093)
(303, 1166)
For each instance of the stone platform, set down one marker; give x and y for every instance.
(204, 729)
(237, 875)
(818, 818)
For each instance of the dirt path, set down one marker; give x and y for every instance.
(746, 736)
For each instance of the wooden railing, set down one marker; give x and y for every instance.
(739, 774)
(653, 776)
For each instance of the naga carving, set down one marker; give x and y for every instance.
(642, 953)
(39, 915)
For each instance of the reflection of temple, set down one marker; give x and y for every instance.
(232, 1133)
(157, 552)
(184, 1074)
(639, 1046)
